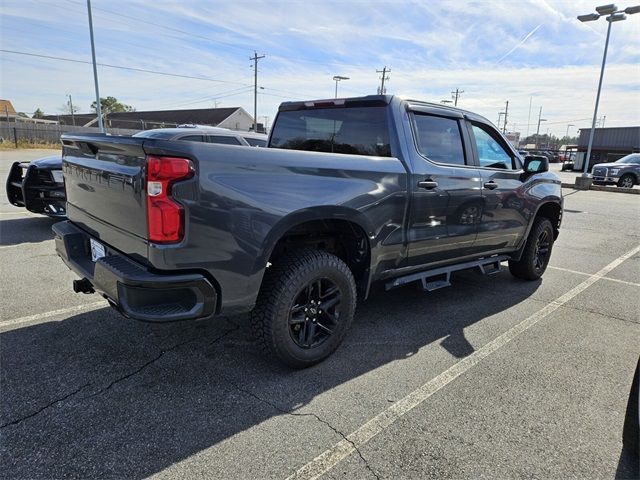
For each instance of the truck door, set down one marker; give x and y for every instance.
(504, 217)
(446, 199)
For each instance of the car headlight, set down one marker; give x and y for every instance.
(57, 176)
(614, 171)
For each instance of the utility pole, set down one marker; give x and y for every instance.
(255, 59)
(539, 120)
(506, 113)
(455, 95)
(529, 117)
(384, 77)
(95, 69)
(604, 117)
(73, 117)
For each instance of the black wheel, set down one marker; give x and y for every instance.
(537, 251)
(305, 307)
(626, 181)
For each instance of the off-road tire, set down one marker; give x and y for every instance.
(529, 267)
(284, 281)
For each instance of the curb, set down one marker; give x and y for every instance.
(602, 188)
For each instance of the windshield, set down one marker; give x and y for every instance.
(634, 158)
(354, 130)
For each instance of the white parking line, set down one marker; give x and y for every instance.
(54, 313)
(603, 278)
(339, 451)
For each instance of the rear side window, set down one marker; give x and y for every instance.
(223, 139)
(256, 142)
(354, 130)
(439, 139)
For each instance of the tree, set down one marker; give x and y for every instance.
(111, 104)
(38, 113)
(23, 115)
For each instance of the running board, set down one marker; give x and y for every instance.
(441, 277)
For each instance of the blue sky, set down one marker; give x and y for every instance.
(493, 50)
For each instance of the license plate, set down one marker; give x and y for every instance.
(97, 250)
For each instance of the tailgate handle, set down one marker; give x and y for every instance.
(428, 184)
(491, 185)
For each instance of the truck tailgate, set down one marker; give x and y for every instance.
(105, 184)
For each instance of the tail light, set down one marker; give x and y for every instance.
(165, 217)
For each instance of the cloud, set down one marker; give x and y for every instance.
(431, 48)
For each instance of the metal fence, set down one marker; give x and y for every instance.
(19, 133)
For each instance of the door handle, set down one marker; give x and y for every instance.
(491, 185)
(428, 184)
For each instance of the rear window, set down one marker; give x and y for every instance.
(256, 142)
(355, 130)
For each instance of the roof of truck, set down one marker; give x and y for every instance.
(370, 100)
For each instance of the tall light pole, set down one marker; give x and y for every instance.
(566, 135)
(613, 15)
(336, 79)
(95, 69)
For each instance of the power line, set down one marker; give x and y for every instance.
(166, 27)
(121, 67)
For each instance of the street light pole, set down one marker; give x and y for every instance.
(95, 69)
(566, 135)
(587, 159)
(337, 78)
(613, 15)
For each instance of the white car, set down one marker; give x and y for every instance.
(202, 133)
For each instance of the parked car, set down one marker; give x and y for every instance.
(623, 173)
(38, 186)
(201, 133)
(349, 192)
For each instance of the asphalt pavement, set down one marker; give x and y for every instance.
(492, 377)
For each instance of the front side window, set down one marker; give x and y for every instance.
(490, 153)
(439, 139)
(354, 130)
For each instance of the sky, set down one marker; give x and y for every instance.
(526, 52)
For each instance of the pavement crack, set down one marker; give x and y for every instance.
(311, 414)
(48, 405)
(603, 314)
(160, 354)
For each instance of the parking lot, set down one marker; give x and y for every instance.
(493, 377)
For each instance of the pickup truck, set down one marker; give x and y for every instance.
(349, 192)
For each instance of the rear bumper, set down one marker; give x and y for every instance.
(130, 287)
(33, 188)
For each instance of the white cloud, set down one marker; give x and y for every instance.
(431, 48)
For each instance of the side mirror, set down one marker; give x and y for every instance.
(536, 164)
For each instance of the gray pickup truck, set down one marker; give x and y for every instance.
(350, 192)
(624, 172)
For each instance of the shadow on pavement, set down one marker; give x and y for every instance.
(26, 230)
(96, 395)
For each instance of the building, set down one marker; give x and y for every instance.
(233, 118)
(609, 144)
(514, 138)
